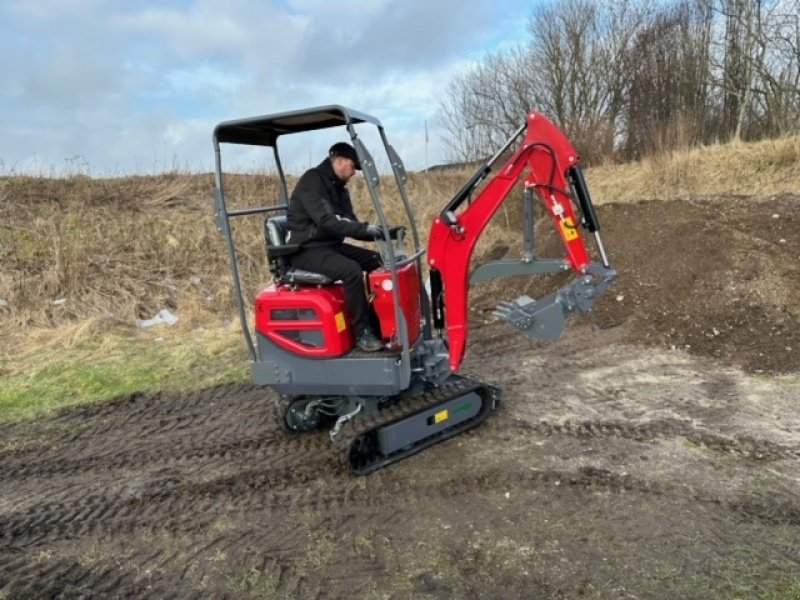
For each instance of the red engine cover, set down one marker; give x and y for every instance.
(307, 321)
(380, 283)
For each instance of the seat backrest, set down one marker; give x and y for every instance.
(278, 253)
(276, 230)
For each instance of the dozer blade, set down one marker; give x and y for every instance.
(545, 319)
(370, 442)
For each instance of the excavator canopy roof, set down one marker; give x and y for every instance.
(264, 130)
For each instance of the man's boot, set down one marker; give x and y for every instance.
(368, 341)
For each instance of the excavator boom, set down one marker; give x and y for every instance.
(552, 167)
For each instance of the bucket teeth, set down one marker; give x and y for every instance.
(513, 313)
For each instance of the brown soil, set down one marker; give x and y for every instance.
(652, 452)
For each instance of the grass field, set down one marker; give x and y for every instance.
(83, 259)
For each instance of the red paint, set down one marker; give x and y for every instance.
(306, 309)
(380, 284)
(450, 247)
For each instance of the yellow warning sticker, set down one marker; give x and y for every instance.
(441, 416)
(569, 229)
(341, 324)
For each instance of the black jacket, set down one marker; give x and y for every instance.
(320, 211)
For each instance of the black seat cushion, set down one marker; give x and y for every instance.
(293, 275)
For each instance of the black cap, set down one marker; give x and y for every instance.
(346, 150)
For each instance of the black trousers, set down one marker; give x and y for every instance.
(346, 263)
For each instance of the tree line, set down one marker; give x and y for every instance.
(627, 78)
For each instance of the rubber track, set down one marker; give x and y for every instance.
(362, 424)
(280, 408)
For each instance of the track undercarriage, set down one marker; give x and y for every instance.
(371, 432)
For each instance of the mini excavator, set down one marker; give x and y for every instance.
(384, 406)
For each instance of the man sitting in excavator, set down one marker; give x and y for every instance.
(319, 217)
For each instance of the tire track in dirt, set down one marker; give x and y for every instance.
(167, 505)
(155, 503)
(743, 446)
(226, 459)
(131, 438)
(159, 413)
(367, 511)
(197, 452)
(275, 489)
(68, 578)
(105, 427)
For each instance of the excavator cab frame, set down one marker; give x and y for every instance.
(266, 131)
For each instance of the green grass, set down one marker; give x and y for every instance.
(114, 365)
(789, 589)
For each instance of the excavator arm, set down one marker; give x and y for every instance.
(551, 168)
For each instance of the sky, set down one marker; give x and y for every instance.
(115, 88)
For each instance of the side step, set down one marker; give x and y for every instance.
(370, 442)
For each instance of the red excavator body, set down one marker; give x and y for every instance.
(387, 405)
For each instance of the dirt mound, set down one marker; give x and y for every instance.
(717, 277)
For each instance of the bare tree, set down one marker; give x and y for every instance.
(667, 100)
(782, 73)
(629, 77)
(573, 69)
(485, 104)
(758, 67)
(580, 51)
(774, 94)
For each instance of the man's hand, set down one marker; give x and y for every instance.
(375, 232)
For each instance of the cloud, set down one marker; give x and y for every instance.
(132, 87)
(407, 35)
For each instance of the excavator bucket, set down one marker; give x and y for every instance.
(546, 318)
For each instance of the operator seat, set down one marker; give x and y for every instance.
(278, 253)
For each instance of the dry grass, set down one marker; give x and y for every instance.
(769, 167)
(80, 256)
